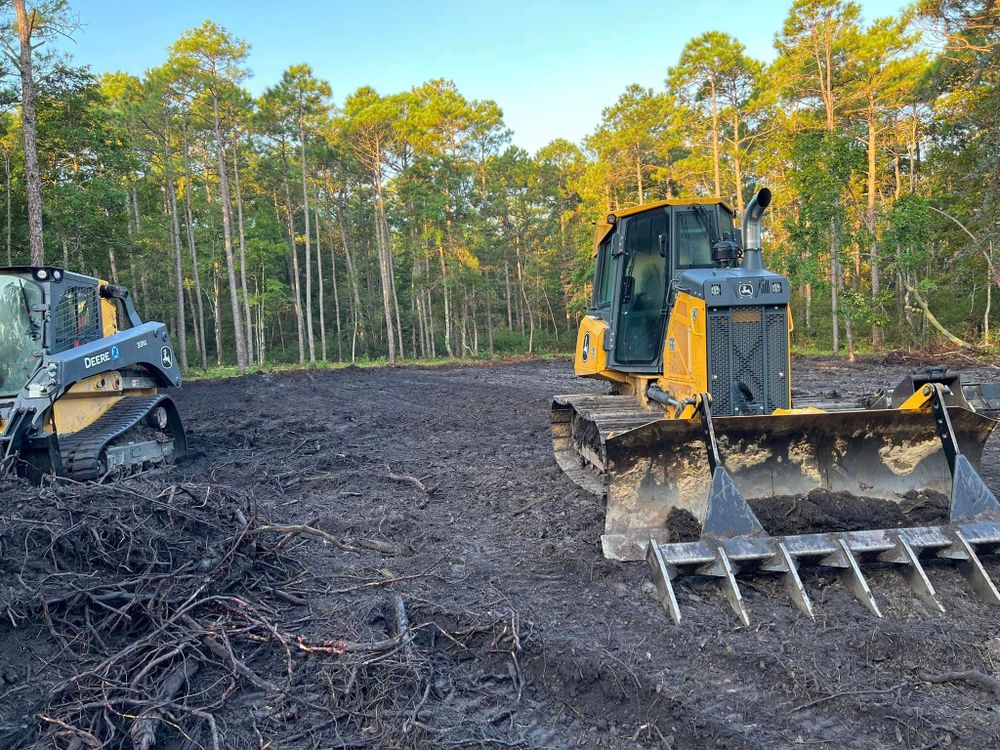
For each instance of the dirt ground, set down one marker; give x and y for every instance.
(462, 604)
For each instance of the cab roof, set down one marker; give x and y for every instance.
(604, 227)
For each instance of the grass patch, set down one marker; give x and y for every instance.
(229, 371)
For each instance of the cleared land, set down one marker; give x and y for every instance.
(448, 592)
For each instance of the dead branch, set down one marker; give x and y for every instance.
(408, 479)
(80, 737)
(292, 530)
(845, 693)
(935, 323)
(973, 677)
(529, 506)
(403, 628)
(225, 652)
(143, 731)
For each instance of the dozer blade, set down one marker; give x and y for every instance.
(654, 473)
(733, 541)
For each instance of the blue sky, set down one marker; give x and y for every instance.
(552, 66)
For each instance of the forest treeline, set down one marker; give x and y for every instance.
(300, 225)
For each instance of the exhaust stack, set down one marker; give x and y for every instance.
(752, 260)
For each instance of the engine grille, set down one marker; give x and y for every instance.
(748, 346)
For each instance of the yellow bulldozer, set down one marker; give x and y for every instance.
(694, 336)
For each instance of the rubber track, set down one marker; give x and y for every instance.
(81, 451)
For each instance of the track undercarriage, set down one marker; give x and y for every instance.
(138, 434)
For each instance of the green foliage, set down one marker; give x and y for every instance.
(450, 241)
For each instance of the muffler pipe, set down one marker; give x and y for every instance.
(752, 260)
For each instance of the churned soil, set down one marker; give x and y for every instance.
(450, 592)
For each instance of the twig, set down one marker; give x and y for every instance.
(296, 529)
(348, 647)
(387, 548)
(415, 713)
(381, 582)
(224, 651)
(144, 729)
(403, 628)
(529, 506)
(411, 480)
(85, 738)
(832, 696)
(984, 681)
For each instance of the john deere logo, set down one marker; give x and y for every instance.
(745, 290)
(585, 354)
(166, 358)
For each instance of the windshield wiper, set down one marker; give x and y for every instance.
(27, 310)
(707, 221)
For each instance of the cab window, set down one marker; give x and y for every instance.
(20, 333)
(605, 276)
(77, 320)
(694, 238)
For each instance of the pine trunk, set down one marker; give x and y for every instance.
(447, 302)
(385, 267)
(32, 174)
(6, 164)
(715, 140)
(227, 242)
(877, 335)
(834, 285)
(193, 248)
(336, 293)
(248, 318)
(320, 300)
(294, 255)
(305, 214)
(175, 234)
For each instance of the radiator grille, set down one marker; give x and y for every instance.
(777, 360)
(77, 319)
(720, 370)
(748, 356)
(748, 345)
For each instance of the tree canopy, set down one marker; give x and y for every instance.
(310, 223)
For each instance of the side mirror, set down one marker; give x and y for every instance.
(628, 289)
(663, 245)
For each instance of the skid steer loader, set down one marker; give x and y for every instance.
(693, 334)
(80, 375)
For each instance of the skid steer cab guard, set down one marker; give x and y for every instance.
(75, 356)
(693, 334)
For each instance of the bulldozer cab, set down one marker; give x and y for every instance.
(638, 262)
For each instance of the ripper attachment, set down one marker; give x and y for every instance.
(734, 541)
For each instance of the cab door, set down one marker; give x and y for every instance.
(641, 305)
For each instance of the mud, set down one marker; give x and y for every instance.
(823, 510)
(524, 636)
